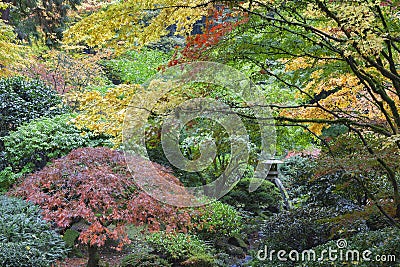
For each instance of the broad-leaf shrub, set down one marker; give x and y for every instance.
(306, 227)
(265, 199)
(382, 243)
(22, 100)
(144, 260)
(33, 144)
(6, 173)
(8, 178)
(217, 220)
(297, 171)
(94, 185)
(177, 247)
(26, 239)
(334, 188)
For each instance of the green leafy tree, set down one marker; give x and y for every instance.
(340, 59)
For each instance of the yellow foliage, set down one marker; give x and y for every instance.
(103, 114)
(344, 96)
(298, 63)
(122, 24)
(337, 92)
(11, 52)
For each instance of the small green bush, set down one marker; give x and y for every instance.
(22, 100)
(8, 178)
(200, 261)
(383, 242)
(296, 172)
(177, 247)
(266, 199)
(306, 227)
(218, 220)
(25, 238)
(144, 260)
(334, 189)
(34, 144)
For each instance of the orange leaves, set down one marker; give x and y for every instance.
(341, 94)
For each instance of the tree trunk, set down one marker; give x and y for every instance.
(396, 196)
(93, 257)
(397, 209)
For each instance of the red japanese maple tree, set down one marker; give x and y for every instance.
(94, 185)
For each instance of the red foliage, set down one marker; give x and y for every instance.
(50, 77)
(313, 153)
(94, 184)
(218, 25)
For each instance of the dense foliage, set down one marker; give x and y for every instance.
(266, 199)
(25, 238)
(103, 113)
(383, 244)
(135, 67)
(63, 71)
(33, 18)
(178, 247)
(34, 144)
(12, 51)
(144, 260)
(23, 100)
(218, 220)
(307, 227)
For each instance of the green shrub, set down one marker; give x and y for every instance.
(265, 199)
(135, 67)
(70, 238)
(335, 189)
(306, 227)
(25, 238)
(33, 144)
(200, 261)
(218, 220)
(144, 260)
(296, 172)
(177, 247)
(383, 242)
(22, 100)
(8, 178)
